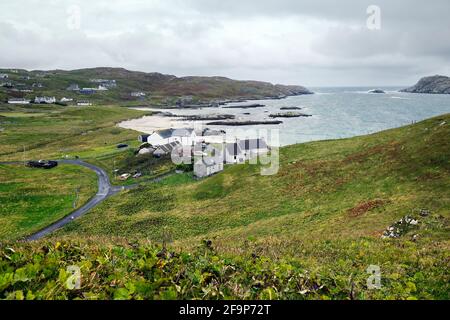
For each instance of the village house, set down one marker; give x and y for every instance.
(186, 137)
(37, 85)
(102, 88)
(205, 167)
(207, 161)
(106, 83)
(253, 147)
(138, 94)
(45, 100)
(18, 101)
(64, 99)
(85, 103)
(233, 153)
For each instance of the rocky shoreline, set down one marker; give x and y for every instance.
(243, 123)
(250, 106)
(432, 85)
(290, 115)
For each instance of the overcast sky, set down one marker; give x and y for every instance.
(311, 43)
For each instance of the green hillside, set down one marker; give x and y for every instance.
(309, 232)
(160, 89)
(324, 190)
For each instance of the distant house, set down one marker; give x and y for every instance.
(138, 94)
(102, 88)
(47, 100)
(26, 90)
(105, 83)
(37, 85)
(167, 149)
(84, 103)
(73, 87)
(64, 99)
(3, 76)
(18, 101)
(186, 137)
(7, 85)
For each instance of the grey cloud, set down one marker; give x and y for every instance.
(287, 41)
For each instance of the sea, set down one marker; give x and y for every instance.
(336, 113)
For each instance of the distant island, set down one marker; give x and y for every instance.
(435, 85)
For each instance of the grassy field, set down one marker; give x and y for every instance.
(31, 199)
(325, 190)
(56, 132)
(309, 232)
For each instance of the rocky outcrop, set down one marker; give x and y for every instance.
(379, 91)
(434, 84)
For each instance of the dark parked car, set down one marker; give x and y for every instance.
(42, 164)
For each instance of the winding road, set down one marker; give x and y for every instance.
(105, 190)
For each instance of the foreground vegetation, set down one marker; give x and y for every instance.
(31, 199)
(332, 270)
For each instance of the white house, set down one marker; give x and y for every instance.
(84, 103)
(102, 88)
(205, 167)
(232, 153)
(138, 94)
(18, 101)
(64, 99)
(48, 100)
(185, 137)
(253, 147)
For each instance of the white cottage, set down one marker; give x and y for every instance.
(185, 137)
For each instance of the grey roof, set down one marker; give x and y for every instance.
(167, 148)
(252, 144)
(175, 133)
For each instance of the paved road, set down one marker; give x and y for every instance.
(105, 190)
